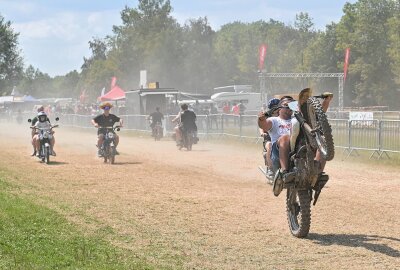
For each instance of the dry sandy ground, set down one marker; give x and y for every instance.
(209, 208)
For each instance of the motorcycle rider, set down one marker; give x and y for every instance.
(187, 123)
(279, 129)
(156, 117)
(267, 144)
(101, 121)
(33, 131)
(43, 123)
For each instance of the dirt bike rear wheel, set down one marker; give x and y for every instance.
(317, 119)
(298, 209)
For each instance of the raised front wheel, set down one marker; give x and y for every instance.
(318, 121)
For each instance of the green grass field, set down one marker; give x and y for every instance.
(35, 237)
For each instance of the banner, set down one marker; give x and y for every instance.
(346, 63)
(113, 82)
(262, 52)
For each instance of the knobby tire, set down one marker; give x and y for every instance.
(298, 212)
(317, 118)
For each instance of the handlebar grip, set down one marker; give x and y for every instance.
(326, 94)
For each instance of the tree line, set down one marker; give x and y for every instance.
(195, 58)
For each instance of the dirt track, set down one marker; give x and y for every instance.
(209, 208)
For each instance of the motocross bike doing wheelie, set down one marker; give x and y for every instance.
(107, 149)
(310, 133)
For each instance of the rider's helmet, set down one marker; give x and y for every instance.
(273, 102)
(42, 116)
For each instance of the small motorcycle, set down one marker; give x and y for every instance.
(188, 139)
(45, 136)
(157, 131)
(108, 150)
(310, 133)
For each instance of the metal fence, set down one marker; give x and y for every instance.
(378, 136)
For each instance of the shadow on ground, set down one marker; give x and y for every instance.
(370, 242)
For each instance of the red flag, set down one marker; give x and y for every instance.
(262, 51)
(346, 63)
(113, 82)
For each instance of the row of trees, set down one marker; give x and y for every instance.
(194, 57)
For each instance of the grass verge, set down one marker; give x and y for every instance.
(34, 237)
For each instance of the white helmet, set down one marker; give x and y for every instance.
(42, 116)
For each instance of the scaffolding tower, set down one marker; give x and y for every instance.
(340, 76)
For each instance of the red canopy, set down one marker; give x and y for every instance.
(115, 93)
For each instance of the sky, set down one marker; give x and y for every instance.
(54, 34)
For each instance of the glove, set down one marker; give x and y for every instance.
(327, 94)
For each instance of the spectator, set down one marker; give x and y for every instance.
(235, 112)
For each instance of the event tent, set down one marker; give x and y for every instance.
(28, 98)
(116, 93)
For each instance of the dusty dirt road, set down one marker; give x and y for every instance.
(209, 208)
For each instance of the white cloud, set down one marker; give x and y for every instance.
(57, 44)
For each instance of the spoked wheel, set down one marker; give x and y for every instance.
(298, 209)
(317, 120)
(105, 154)
(47, 154)
(112, 155)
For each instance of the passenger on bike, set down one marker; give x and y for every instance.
(155, 117)
(102, 121)
(177, 130)
(279, 129)
(42, 122)
(271, 111)
(33, 131)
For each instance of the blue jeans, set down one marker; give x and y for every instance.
(275, 156)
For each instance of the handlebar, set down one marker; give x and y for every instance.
(44, 128)
(324, 95)
(112, 128)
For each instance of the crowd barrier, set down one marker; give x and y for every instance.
(380, 137)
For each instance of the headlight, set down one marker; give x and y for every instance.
(110, 135)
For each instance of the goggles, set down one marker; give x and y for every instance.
(106, 108)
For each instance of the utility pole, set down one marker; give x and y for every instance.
(263, 94)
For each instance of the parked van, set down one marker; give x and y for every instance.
(252, 101)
